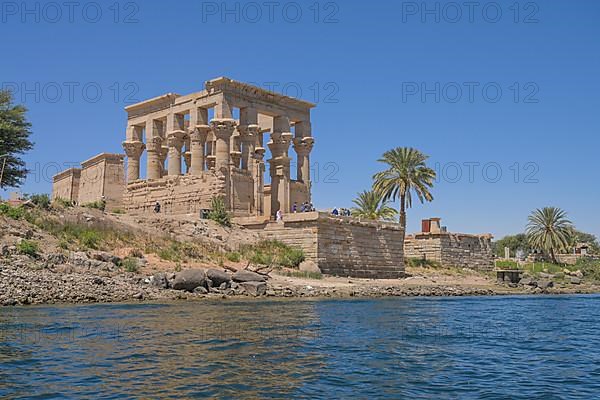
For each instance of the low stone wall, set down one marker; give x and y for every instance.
(339, 246)
(452, 249)
(185, 194)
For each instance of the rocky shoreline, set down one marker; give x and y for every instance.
(83, 280)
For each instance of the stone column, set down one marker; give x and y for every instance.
(198, 140)
(303, 147)
(134, 151)
(164, 153)
(248, 131)
(259, 180)
(175, 142)
(236, 156)
(235, 153)
(223, 129)
(249, 138)
(154, 164)
(280, 165)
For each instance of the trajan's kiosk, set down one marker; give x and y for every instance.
(227, 141)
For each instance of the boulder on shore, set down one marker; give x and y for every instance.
(544, 284)
(254, 288)
(190, 279)
(309, 266)
(218, 277)
(248, 276)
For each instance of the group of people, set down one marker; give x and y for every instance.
(305, 207)
(342, 212)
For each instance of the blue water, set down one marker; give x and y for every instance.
(425, 348)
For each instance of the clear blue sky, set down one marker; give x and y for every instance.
(383, 73)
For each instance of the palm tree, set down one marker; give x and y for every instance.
(407, 173)
(370, 205)
(549, 230)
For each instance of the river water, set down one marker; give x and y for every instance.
(545, 347)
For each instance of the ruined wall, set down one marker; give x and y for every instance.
(452, 250)
(91, 183)
(185, 194)
(341, 246)
(298, 193)
(242, 192)
(65, 185)
(102, 177)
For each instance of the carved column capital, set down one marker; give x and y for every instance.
(133, 149)
(279, 143)
(199, 133)
(304, 146)
(154, 144)
(223, 127)
(259, 153)
(176, 139)
(248, 133)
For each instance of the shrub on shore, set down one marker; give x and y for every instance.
(218, 212)
(273, 252)
(28, 247)
(420, 262)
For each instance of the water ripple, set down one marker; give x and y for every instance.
(456, 348)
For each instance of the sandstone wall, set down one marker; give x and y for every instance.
(298, 193)
(102, 177)
(91, 183)
(340, 246)
(65, 185)
(185, 194)
(452, 250)
(243, 192)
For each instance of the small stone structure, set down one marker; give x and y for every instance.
(450, 249)
(339, 246)
(99, 178)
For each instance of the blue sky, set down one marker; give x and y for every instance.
(502, 95)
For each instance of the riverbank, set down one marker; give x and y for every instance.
(22, 285)
(77, 255)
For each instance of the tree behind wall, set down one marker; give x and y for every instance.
(14, 140)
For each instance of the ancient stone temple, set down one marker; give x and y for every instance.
(214, 143)
(248, 146)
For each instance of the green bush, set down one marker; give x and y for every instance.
(90, 239)
(28, 247)
(12, 212)
(589, 267)
(62, 203)
(291, 257)
(40, 200)
(234, 256)
(99, 205)
(420, 262)
(130, 264)
(118, 211)
(273, 252)
(507, 264)
(218, 212)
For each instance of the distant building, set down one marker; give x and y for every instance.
(101, 177)
(435, 243)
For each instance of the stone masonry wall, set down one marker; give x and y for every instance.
(452, 250)
(185, 194)
(341, 246)
(65, 185)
